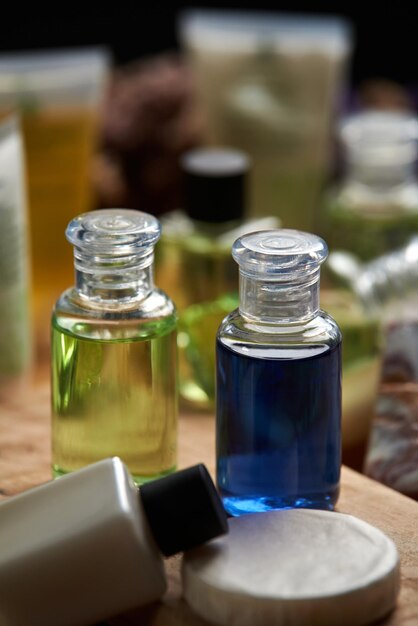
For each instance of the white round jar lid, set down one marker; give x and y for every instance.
(294, 568)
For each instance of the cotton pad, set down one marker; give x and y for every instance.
(294, 568)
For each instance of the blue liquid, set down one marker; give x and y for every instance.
(278, 427)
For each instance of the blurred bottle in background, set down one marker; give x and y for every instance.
(195, 258)
(268, 84)
(57, 95)
(373, 210)
(361, 330)
(361, 367)
(375, 207)
(194, 263)
(387, 288)
(15, 335)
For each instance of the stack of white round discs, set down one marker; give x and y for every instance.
(294, 568)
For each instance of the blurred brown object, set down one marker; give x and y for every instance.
(149, 120)
(392, 456)
(384, 94)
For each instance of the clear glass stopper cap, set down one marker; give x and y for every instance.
(115, 232)
(280, 254)
(382, 136)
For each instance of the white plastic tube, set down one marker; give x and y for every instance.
(15, 336)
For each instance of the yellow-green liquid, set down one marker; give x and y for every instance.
(198, 327)
(196, 270)
(114, 395)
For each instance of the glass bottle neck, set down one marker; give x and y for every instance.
(279, 302)
(113, 281)
(391, 279)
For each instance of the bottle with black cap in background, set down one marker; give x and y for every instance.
(89, 546)
(194, 260)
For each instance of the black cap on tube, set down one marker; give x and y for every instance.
(215, 184)
(183, 510)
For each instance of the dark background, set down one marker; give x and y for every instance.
(385, 33)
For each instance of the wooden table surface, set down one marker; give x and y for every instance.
(25, 458)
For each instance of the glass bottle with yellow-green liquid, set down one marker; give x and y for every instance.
(371, 211)
(114, 387)
(194, 260)
(374, 209)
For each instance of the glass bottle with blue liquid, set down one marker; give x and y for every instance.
(278, 380)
